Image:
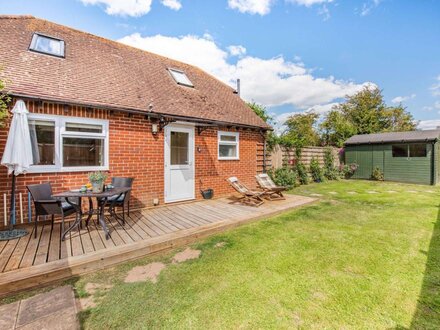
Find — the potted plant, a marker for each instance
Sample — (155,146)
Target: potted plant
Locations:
(97,180)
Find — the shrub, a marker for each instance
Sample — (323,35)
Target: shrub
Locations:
(316,170)
(347,171)
(330,171)
(284,176)
(303,176)
(377,174)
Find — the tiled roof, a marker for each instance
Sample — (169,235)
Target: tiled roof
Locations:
(396,137)
(105,73)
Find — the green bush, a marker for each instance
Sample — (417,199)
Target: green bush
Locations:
(377,174)
(284,176)
(346,171)
(316,171)
(303,176)
(330,171)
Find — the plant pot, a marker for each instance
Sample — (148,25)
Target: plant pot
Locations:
(207,193)
(97,187)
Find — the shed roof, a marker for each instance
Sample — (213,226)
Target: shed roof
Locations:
(98,72)
(394,137)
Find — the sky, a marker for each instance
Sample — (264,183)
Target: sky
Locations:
(290,55)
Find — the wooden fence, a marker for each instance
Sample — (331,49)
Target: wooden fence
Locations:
(281,156)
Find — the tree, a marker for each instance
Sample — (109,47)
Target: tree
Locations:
(261,111)
(301,130)
(5,99)
(335,129)
(364,113)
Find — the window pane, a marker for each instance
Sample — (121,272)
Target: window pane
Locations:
(400,150)
(417,150)
(43,141)
(228,138)
(181,78)
(78,127)
(229,151)
(83,152)
(48,45)
(179,148)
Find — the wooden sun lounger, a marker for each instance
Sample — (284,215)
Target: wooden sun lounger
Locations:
(272,191)
(248,197)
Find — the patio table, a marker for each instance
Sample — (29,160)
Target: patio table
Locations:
(101,199)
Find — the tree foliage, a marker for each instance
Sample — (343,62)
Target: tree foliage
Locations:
(301,130)
(5,99)
(364,113)
(261,111)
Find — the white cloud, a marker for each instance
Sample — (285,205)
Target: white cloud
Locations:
(133,8)
(400,99)
(273,82)
(172,4)
(235,50)
(309,3)
(261,7)
(429,124)
(367,7)
(435,89)
(324,12)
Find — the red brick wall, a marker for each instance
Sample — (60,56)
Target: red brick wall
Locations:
(136,152)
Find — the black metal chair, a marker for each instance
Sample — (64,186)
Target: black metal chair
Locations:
(121,200)
(45,204)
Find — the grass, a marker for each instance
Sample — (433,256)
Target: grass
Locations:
(369,260)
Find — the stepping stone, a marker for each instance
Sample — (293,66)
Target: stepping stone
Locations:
(8,314)
(412,191)
(316,195)
(372,192)
(351,192)
(144,273)
(85,303)
(220,244)
(430,191)
(55,309)
(185,255)
(391,191)
(91,288)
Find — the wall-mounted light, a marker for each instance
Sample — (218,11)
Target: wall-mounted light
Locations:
(154,128)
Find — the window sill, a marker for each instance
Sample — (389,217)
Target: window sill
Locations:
(229,158)
(68,169)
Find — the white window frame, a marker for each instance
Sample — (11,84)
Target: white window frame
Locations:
(175,72)
(230,143)
(33,45)
(60,133)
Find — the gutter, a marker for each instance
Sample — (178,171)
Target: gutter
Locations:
(146,113)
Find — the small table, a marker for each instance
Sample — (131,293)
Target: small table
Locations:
(101,198)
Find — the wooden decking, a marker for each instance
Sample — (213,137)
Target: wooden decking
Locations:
(28,262)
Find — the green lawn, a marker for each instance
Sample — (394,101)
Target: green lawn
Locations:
(352,261)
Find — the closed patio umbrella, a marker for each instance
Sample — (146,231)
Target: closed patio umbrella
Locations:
(17,157)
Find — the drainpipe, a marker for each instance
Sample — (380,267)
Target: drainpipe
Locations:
(264,154)
(433,165)
(238,87)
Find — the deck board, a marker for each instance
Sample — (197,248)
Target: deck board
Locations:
(29,261)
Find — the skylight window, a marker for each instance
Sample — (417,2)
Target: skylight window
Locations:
(181,78)
(47,45)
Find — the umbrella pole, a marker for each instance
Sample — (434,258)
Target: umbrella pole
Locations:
(12,206)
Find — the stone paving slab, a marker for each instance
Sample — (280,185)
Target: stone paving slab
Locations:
(55,309)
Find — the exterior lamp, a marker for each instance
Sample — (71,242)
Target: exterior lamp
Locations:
(154,128)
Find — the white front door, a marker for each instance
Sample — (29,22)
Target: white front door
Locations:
(179,163)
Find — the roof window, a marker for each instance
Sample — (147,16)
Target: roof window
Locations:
(180,77)
(47,45)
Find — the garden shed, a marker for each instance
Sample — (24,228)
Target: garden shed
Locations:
(401,156)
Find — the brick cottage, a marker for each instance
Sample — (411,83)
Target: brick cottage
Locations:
(96,104)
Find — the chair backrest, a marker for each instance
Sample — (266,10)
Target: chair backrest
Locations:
(118,182)
(237,185)
(41,191)
(122,182)
(265,181)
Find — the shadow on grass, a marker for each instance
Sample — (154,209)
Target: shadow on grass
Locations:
(427,315)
